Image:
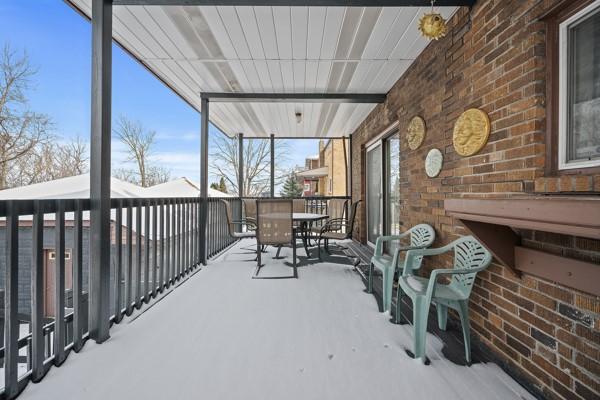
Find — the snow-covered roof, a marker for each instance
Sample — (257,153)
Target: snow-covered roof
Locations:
(78,187)
(73,187)
(314,173)
(181,187)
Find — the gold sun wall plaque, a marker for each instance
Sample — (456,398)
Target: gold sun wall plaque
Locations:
(415,132)
(433,26)
(471,132)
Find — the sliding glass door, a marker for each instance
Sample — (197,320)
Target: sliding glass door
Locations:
(383,189)
(373,195)
(391,176)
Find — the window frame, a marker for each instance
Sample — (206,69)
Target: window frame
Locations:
(556,19)
(563,52)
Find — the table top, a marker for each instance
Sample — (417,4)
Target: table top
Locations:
(308,217)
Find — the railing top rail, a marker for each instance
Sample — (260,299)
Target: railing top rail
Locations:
(30,206)
(46,206)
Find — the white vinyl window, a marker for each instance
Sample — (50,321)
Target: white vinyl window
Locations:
(579,89)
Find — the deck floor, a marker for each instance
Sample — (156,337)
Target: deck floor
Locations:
(223,335)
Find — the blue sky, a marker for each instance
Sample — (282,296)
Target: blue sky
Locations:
(57,41)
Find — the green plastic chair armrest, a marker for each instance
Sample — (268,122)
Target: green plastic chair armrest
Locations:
(381,239)
(451,271)
(414,257)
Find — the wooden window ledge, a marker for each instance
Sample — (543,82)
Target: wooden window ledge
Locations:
(493,222)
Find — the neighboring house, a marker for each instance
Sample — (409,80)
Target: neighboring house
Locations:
(325,174)
(72,188)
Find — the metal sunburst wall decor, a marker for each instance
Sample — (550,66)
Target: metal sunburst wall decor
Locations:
(432,25)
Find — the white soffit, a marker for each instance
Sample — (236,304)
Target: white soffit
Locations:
(198,49)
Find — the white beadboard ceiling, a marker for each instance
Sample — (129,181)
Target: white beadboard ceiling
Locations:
(198,49)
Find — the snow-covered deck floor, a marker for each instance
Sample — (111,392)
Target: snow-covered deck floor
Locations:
(223,335)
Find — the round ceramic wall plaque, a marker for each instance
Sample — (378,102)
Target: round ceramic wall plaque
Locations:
(433,163)
(415,132)
(471,132)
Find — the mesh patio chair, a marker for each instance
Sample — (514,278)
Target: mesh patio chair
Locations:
(250,209)
(231,224)
(338,229)
(470,257)
(336,209)
(421,236)
(275,227)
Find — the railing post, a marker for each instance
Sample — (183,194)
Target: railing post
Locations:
(163,238)
(146,251)
(203,176)
(128,275)
(37,294)
(59,284)
(77,273)
(173,270)
(168,243)
(11,302)
(138,256)
(154,246)
(119,262)
(100,170)
(272,165)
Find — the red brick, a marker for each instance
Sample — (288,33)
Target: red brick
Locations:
(494,58)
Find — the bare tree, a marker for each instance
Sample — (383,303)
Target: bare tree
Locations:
(21,130)
(31,168)
(156,175)
(125,174)
(72,158)
(256,167)
(139,143)
(49,161)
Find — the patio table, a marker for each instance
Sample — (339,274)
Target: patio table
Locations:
(304,221)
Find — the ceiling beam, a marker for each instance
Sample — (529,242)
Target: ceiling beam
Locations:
(229,97)
(303,3)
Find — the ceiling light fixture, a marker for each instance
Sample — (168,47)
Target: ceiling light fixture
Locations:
(432,25)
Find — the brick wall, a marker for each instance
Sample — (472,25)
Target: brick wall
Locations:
(494,58)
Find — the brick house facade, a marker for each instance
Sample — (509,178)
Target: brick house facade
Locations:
(494,57)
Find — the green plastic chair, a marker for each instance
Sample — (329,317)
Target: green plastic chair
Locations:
(470,257)
(421,236)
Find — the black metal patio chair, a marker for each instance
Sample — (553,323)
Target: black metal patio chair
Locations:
(337,229)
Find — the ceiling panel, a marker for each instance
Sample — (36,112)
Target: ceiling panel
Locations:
(266,27)
(299,17)
(196,49)
(316,25)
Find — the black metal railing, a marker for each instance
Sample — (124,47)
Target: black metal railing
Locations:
(155,242)
(218,238)
(312,204)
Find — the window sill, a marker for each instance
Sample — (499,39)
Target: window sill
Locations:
(493,222)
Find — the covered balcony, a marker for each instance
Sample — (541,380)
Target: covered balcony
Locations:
(221,334)
(164,305)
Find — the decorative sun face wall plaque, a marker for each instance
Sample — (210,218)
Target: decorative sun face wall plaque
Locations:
(471,132)
(415,132)
(433,163)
